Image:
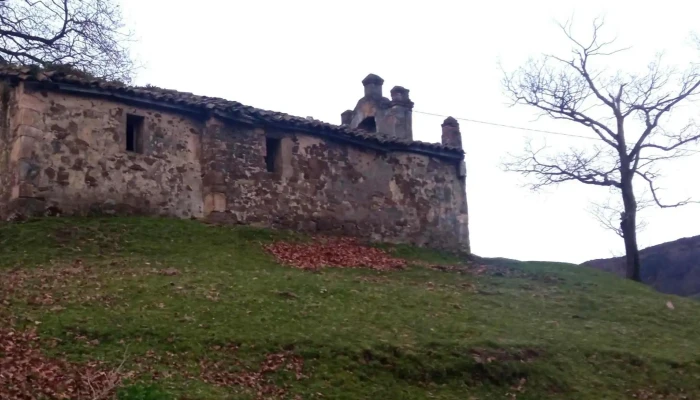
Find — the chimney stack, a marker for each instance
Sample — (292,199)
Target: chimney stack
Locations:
(400,115)
(399,95)
(451,136)
(346,117)
(373,86)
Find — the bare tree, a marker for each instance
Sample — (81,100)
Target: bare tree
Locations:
(85,34)
(626,111)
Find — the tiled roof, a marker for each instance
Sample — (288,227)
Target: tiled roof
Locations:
(232,109)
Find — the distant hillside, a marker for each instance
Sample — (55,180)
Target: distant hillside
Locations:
(672,267)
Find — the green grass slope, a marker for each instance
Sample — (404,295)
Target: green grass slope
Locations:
(193,311)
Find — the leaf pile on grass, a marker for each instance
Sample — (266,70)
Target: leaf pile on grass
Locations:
(40,281)
(333,252)
(217,374)
(226,371)
(489,355)
(651,394)
(26,374)
(52,286)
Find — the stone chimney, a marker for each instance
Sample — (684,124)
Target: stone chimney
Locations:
(400,115)
(373,86)
(451,136)
(399,95)
(346,117)
(376,114)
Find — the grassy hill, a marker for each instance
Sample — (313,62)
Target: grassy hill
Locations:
(146,308)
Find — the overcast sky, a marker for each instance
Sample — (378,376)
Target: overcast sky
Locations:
(308,58)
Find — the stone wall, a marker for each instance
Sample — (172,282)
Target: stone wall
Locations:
(7,104)
(324,186)
(69,155)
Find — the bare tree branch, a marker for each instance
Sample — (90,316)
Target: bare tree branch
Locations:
(86,34)
(574,166)
(688,134)
(558,95)
(649,178)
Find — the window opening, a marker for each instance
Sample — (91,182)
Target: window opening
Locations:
(134,133)
(272,146)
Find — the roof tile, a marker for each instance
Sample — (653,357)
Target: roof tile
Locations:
(211,103)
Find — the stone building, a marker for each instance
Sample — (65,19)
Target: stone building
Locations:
(73,145)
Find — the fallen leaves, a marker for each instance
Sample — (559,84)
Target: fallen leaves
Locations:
(287,294)
(51,286)
(60,284)
(519,387)
(227,371)
(653,394)
(489,355)
(217,373)
(169,272)
(26,374)
(333,252)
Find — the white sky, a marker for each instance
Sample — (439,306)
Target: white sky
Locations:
(307,58)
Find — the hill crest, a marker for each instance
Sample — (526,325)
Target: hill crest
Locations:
(671,267)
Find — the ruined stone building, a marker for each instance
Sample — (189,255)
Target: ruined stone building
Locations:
(78,146)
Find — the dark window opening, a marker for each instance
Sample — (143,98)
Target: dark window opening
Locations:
(134,133)
(368,124)
(272,146)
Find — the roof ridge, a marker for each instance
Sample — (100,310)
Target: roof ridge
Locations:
(72,76)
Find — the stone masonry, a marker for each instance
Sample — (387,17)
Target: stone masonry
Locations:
(73,145)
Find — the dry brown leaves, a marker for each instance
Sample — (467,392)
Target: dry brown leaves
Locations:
(489,355)
(73,283)
(42,285)
(24,281)
(333,252)
(226,372)
(652,394)
(26,374)
(217,373)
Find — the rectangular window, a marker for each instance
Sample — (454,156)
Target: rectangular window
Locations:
(272,146)
(134,133)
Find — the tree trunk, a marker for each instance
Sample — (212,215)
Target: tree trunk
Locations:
(629,230)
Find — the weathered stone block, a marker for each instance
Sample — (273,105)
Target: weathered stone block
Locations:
(27,170)
(25,189)
(31,131)
(26,206)
(213,178)
(36,102)
(214,202)
(22,147)
(63,177)
(29,117)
